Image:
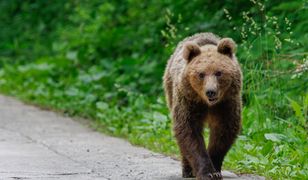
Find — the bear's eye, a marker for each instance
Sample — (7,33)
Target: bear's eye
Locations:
(218,73)
(201,75)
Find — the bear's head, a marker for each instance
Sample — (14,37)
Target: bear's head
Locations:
(212,70)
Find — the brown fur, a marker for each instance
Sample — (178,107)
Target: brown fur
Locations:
(203,63)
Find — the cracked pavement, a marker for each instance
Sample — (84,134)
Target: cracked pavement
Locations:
(38,144)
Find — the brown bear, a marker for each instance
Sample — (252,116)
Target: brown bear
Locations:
(203,83)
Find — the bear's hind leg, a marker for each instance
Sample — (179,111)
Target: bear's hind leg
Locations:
(221,140)
(187,171)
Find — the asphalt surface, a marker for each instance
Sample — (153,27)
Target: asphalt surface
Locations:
(38,144)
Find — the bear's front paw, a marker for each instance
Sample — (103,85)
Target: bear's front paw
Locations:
(217,175)
(211,176)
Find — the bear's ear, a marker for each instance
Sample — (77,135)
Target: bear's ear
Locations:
(190,50)
(226,46)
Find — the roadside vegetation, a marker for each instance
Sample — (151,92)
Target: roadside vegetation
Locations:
(104,60)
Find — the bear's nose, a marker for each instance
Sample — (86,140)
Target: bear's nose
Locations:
(210,93)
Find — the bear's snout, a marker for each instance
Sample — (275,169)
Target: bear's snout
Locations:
(211,89)
(211,93)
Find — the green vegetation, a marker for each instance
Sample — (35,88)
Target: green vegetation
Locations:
(104,60)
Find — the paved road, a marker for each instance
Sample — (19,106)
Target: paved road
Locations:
(38,144)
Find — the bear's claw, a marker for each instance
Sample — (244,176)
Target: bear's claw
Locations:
(215,176)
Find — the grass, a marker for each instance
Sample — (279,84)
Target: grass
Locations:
(269,145)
